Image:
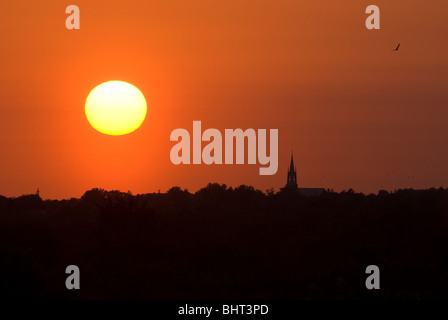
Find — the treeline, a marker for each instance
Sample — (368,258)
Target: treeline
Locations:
(226,243)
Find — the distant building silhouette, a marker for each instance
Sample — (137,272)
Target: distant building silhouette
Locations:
(291,181)
(292,186)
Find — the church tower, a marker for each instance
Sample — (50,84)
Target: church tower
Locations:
(291,182)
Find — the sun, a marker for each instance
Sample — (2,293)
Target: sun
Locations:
(115,108)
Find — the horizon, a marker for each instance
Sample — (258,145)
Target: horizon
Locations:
(264,192)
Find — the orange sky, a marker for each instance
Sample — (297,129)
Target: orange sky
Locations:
(356,114)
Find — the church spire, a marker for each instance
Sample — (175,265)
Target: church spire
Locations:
(291,182)
(291,167)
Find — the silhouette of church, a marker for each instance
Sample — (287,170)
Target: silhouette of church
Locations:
(292,186)
(291,180)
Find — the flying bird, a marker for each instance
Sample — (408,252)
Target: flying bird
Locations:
(396,49)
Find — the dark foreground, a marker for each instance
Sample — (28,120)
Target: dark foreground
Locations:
(226,244)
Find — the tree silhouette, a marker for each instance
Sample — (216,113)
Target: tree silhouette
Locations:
(222,243)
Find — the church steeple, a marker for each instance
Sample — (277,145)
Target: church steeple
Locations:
(291,167)
(291,182)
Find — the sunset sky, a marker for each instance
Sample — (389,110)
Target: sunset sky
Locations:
(356,114)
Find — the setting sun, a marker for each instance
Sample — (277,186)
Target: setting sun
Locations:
(115,108)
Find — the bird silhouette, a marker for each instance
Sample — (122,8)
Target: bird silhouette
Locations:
(396,49)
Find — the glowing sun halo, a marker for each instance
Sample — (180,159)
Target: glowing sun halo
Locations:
(115,108)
